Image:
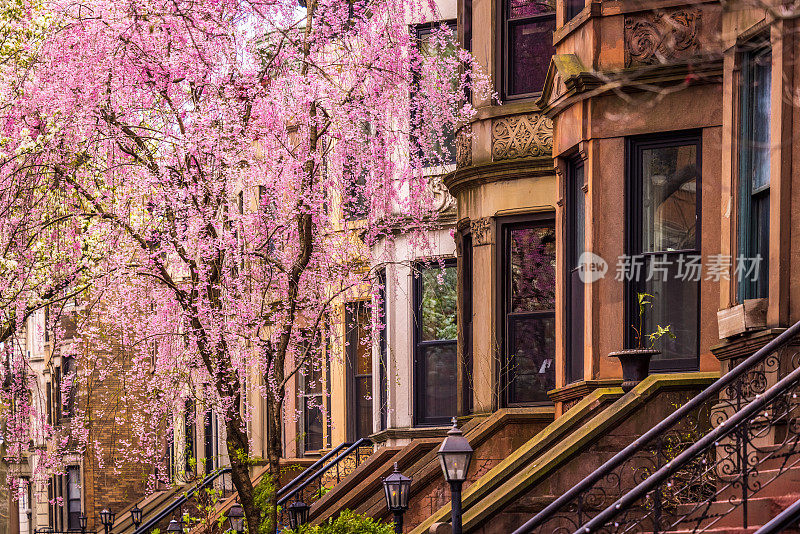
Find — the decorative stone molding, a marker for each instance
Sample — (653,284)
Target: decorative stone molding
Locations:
(442,200)
(464,147)
(481,231)
(656,38)
(520,136)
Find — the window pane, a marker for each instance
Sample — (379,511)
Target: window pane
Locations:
(578,211)
(533,275)
(760,139)
(531,357)
(669,199)
(438,303)
(437,382)
(674,304)
(530,48)
(312,417)
(363,407)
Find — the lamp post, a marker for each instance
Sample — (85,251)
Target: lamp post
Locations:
(136,517)
(107,519)
(236,518)
(397,489)
(82,519)
(455,454)
(298,514)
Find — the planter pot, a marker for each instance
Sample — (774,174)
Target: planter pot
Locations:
(635,365)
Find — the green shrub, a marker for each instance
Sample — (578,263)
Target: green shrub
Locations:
(347,523)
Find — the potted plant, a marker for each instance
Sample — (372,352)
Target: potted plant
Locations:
(636,362)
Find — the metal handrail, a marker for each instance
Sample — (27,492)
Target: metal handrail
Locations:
(789,518)
(683,458)
(363,442)
(310,468)
(651,435)
(179,502)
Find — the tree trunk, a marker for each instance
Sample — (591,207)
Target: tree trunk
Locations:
(239,455)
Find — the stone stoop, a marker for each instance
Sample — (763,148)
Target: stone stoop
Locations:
(150,505)
(493,438)
(566,451)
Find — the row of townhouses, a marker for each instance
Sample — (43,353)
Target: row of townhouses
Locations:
(632,150)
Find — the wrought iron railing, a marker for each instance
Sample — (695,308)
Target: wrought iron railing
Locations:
(169,511)
(315,483)
(701,463)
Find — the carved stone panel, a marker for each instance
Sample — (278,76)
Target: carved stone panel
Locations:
(464,147)
(522,136)
(658,37)
(441,198)
(481,231)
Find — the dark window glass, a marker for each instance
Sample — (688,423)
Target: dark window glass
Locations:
(188,428)
(359,360)
(435,333)
(663,226)
(310,379)
(73,497)
(356,201)
(527,46)
(466,321)
(440,137)
(754,179)
(572,8)
(68,385)
(210,433)
(57,394)
(576,227)
(529,307)
(383,372)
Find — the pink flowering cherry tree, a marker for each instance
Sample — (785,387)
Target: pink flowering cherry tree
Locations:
(225,165)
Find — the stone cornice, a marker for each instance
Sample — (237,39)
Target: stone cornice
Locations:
(484,173)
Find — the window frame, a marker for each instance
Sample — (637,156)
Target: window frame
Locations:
(383,350)
(352,339)
(503,53)
(73,522)
(504,227)
(747,225)
(417,368)
(418,32)
(574,329)
(465,273)
(634,233)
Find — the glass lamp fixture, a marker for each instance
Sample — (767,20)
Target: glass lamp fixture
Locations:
(397,489)
(455,455)
(236,518)
(136,515)
(298,514)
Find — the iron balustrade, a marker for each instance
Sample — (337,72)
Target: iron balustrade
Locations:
(324,477)
(724,444)
(789,518)
(311,469)
(169,510)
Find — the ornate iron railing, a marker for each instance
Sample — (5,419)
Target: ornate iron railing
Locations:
(701,463)
(169,511)
(315,483)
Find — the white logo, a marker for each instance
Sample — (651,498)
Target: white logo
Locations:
(591,267)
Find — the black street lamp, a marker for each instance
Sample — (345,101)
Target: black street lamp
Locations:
(298,514)
(107,519)
(174,526)
(82,519)
(455,454)
(236,518)
(136,516)
(397,490)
